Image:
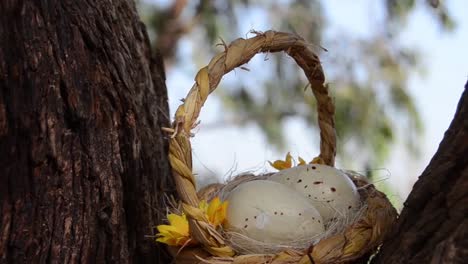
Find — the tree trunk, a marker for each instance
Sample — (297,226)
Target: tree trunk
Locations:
(433,226)
(83,165)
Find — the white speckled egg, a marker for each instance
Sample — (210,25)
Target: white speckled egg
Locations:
(271,212)
(328,189)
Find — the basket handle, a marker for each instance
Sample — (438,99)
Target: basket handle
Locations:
(207,79)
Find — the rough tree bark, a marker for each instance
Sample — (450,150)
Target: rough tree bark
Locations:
(83,163)
(433,226)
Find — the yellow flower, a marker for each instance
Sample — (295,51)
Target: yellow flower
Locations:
(215,211)
(176,233)
(287,162)
(282,164)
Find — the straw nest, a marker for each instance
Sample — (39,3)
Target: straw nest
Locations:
(358,238)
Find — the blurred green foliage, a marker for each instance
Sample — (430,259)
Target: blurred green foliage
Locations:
(367,75)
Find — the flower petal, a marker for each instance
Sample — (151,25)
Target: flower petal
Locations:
(167,240)
(212,208)
(317,160)
(179,222)
(176,233)
(215,211)
(301,161)
(282,164)
(222,212)
(165,229)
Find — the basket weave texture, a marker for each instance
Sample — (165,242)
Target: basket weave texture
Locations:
(360,238)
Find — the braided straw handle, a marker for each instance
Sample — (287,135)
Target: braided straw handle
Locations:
(236,54)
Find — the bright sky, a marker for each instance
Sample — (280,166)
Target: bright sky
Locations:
(231,150)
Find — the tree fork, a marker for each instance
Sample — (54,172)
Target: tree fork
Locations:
(83,165)
(433,226)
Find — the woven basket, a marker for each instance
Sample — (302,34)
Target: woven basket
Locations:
(359,239)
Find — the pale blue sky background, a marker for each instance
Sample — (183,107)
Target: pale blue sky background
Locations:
(232,150)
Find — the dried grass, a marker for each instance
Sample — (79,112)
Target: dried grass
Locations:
(246,245)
